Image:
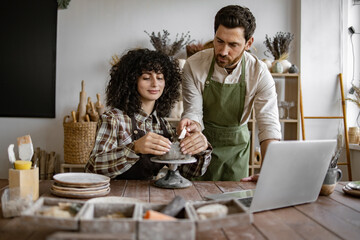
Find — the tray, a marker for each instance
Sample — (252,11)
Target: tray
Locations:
(91,221)
(238,215)
(182,229)
(32,218)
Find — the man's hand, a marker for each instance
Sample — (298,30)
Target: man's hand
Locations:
(252,178)
(152,143)
(190,125)
(194,143)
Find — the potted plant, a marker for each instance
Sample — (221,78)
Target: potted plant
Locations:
(162,43)
(279,48)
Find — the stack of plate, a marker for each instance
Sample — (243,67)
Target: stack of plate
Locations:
(80,185)
(352,188)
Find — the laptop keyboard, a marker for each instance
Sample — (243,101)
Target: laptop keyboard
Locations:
(246,201)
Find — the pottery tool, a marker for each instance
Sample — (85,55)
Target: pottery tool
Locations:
(99,106)
(11,154)
(94,116)
(82,102)
(155,215)
(26,149)
(182,134)
(174,207)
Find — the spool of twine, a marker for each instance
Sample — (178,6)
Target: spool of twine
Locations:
(354,135)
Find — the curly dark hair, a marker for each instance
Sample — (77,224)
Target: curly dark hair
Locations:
(233,16)
(121,91)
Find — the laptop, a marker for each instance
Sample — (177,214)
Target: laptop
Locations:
(292,173)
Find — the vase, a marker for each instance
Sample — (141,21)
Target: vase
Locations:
(277,67)
(268,63)
(286,65)
(293,69)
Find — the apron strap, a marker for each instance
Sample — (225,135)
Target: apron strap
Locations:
(242,85)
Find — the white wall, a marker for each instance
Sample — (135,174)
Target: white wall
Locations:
(320,65)
(353,19)
(91,31)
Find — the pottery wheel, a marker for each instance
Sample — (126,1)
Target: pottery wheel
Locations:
(173,179)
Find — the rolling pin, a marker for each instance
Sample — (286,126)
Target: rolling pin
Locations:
(73,114)
(82,102)
(99,106)
(88,105)
(94,116)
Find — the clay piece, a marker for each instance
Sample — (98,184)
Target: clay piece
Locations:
(174,153)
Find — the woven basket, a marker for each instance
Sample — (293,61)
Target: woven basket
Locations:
(79,139)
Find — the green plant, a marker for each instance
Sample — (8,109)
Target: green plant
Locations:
(279,45)
(162,43)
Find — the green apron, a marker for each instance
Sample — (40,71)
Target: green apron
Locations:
(223,106)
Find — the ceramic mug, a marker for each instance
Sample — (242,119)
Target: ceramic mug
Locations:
(333,175)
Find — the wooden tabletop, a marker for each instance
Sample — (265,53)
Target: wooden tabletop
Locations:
(334,217)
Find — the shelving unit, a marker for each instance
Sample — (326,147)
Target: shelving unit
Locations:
(288,89)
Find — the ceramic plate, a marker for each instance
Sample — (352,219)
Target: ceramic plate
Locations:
(81,179)
(80,195)
(55,186)
(354,185)
(350,191)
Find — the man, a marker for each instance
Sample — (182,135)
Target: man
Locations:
(221,86)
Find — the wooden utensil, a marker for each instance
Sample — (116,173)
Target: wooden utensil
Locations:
(73,114)
(88,105)
(99,106)
(82,102)
(94,116)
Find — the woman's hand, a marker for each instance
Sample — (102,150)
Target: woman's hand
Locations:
(152,143)
(194,143)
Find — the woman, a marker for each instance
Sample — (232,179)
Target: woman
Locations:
(144,86)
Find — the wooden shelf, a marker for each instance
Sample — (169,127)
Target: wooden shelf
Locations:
(290,91)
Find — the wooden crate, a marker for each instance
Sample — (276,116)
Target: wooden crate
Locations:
(238,215)
(181,229)
(91,221)
(32,218)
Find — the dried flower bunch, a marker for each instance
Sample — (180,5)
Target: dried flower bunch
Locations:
(193,48)
(161,42)
(279,45)
(357,96)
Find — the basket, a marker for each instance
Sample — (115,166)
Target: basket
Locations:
(79,139)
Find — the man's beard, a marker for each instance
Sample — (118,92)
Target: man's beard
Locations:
(228,64)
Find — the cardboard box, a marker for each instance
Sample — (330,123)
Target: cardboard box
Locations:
(26,180)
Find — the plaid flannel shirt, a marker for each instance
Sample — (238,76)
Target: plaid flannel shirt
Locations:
(113,152)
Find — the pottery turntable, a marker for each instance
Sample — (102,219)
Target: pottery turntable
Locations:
(173,178)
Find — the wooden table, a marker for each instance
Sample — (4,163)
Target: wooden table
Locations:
(334,217)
